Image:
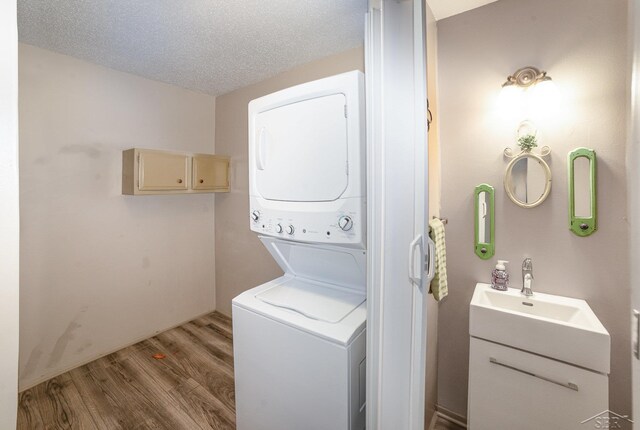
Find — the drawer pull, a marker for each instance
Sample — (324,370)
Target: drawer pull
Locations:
(568,385)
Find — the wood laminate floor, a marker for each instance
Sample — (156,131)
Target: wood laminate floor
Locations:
(192,388)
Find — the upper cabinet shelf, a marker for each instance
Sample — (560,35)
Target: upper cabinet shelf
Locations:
(149,171)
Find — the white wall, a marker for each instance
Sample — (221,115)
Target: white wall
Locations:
(9,215)
(101,270)
(582,44)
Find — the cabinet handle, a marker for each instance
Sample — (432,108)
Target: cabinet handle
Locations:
(179,181)
(569,385)
(202,181)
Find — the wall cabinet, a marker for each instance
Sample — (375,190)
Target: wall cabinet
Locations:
(210,172)
(149,171)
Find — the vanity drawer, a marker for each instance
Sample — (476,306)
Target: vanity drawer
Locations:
(510,388)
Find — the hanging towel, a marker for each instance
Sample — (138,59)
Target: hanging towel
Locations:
(439,287)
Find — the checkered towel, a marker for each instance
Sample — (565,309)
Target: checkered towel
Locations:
(439,287)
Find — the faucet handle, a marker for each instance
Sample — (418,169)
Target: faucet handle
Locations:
(527,266)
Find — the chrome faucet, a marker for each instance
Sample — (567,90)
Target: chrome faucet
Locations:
(527,277)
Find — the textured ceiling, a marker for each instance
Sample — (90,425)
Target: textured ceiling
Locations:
(213,46)
(446,8)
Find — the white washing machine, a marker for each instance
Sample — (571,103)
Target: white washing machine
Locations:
(299,340)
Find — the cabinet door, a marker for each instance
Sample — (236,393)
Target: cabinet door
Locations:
(513,389)
(210,172)
(162,171)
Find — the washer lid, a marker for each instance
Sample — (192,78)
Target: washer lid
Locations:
(314,300)
(342,267)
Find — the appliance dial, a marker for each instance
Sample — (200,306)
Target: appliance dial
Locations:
(278,228)
(255,216)
(345,223)
(290,229)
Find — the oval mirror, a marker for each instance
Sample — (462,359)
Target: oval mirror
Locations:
(527,180)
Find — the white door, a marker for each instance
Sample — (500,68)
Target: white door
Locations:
(397,213)
(633,189)
(9,217)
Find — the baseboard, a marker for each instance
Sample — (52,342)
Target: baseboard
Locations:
(452,417)
(434,421)
(30,384)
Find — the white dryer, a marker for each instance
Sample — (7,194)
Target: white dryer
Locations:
(299,340)
(307,162)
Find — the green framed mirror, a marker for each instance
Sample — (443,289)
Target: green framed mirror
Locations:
(583,208)
(484,210)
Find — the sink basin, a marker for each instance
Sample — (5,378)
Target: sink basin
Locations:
(558,327)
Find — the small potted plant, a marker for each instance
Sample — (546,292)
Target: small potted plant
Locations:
(528,142)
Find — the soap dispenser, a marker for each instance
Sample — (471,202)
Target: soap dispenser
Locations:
(500,277)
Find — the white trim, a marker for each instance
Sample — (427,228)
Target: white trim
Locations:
(633,190)
(421,219)
(375,209)
(9,215)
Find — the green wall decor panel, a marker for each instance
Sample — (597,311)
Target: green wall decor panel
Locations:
(484,221)
(583,214)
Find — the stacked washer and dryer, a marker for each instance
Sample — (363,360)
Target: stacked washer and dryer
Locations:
(299,340)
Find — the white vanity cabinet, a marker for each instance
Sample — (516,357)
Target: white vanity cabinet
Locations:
(536,362)
(150,171)
(513,389)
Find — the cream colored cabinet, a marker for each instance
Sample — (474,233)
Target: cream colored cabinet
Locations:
(160,171)
(210,172)
(148,171)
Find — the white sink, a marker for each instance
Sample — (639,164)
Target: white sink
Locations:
(558,327)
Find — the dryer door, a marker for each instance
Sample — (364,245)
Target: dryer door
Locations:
(301,150)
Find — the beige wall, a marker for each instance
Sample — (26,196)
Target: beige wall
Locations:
(100,270)
(9,215)
(582,44)
(241,259)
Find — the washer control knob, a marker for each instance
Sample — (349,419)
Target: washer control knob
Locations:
(279,228)
(290,229)
(345,223)
(255,216)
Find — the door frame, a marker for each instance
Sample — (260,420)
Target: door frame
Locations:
(9,215)
(633,196)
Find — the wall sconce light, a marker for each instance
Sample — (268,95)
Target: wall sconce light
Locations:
(526,77)
(529,93)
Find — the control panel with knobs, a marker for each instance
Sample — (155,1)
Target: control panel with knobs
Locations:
(345,223)
(341,227)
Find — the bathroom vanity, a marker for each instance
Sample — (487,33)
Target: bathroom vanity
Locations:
(538,362)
